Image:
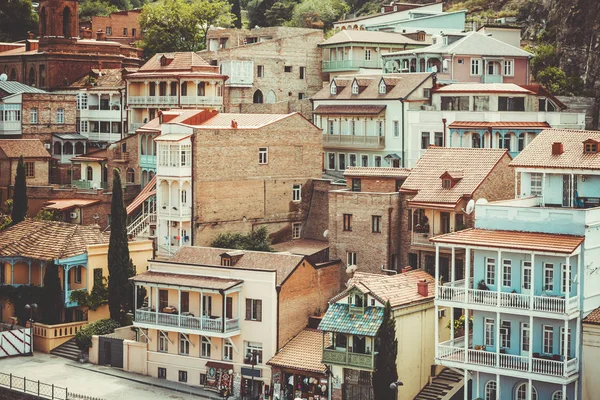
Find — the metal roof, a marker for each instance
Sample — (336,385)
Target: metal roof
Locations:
(14,87)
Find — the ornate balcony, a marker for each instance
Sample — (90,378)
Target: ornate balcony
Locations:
(188,322)
(354,141)
(331,356)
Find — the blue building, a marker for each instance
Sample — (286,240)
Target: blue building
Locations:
(530,276)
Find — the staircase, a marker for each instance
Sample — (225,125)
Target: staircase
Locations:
(67,350)
(141,225)
(442,386)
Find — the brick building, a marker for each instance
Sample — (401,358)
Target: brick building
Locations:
(364,219)
(270,70)
(60,57)
(120,26)
(37,163)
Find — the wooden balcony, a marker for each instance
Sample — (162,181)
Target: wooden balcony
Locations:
(354,141)
(332,356)
(203,324)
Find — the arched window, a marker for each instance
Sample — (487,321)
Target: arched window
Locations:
(144,177)
(57,148)
(90,173)
(130,175)
(521,141)
(67,22)
(476,140)
(31,80)
(271,97)
(13,75)
(490,390)
(521,392)
(558,395)
(43,22)
(68,148)
(79,148)
(258,97)
(150,175)
(162,89)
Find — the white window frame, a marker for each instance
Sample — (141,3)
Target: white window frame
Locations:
(163,342)
(355,87)
(33,115)
(254,346)
(506,273)
(377,160)
(508,68)
(333,88)
(60,115)
(505,337)
(547,339)
(334,161)
(352,156)
(490,271)
(350,258)
(490,332)
(564,280)
(475,67)
(376,223)
(558,395)
(562,341)
(396,125)
(535,183)
(184,345)
(205,349)
(364,157)
(297,193)
(548,277)
(263,155)
(82,101)
(227,350)
(380,128)
(296,230)
(490,390)
(382,87)
(367,54)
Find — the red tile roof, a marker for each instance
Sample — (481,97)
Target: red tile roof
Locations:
(28,148)
(224,120)
(196,281)
(180,61)
(303,353)
(67,204)
(532,241)
(497,125)
(593,317)
(357,109)
(383,172)
(399,86)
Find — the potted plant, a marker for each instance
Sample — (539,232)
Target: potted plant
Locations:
(481,285)
(536,355)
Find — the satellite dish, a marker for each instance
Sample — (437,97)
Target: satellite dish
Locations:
(481,201)
(351,269)
(470,206)
(326,233)
(3,77)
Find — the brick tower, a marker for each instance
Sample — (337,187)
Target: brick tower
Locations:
(58,19)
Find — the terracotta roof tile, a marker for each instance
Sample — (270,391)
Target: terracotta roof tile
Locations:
(28,148)
(400,290)
(196,281)
(180,61)
(497,125)
(49,240)
(223,120)
(534,241)
(475,164)
(539,152)
(102,79)
(284,264)
(357,109)
(304,247)
(593,317)
(304,353)
(67,204)
(383,172)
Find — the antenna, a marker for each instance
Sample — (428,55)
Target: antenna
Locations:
(351,269)
(3,77)
(326,233)
(481,201)
(470,207)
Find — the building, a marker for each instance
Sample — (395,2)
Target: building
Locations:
(408,17)
(491,115)
(208,308)
(350,328)
(589,354)
(363,120)
(464,57)
(269,158)
(172,81)
(365,219)
(532,279)
(510,34)
(120,26)
(35,157)
(438,191)
(60,56)
(359,52)
(270,70)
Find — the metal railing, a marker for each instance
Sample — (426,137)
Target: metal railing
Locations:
(371,142)
(36,388)
(184,321)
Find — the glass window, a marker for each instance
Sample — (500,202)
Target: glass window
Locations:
(351,258)
(558,395)
(184,345)
(475,66)
(227,350)
(163,342)
(367,55)
(566,280)
(548,277)
(332,88)
(506,273)
(296,193)
(263,155)
(455,103)
(535,183)
(396,129)
(355,88)
(331,161)
(260,71)
(253,310)
(475,140)
(377,161)
(490,390)
(296,230)
(254,348)
(185,302)
(382,87)
(364,161)
(380,128)
(352,160)
(82,101)
(481,103)
(376,223)
(562,342)
(29,169)
(60,116)
(356,184)
(509,68)
(425,138)
(331,126)
(511,103)
(505,334)
(522,392)
(162,373)
(490,271)
(348,222)
(341,161)
(205,347)
(548,347)
(490,333)
(33,115)
(182,376)
(302,73)
(438,139)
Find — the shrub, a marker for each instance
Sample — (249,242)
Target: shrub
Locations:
(83,338)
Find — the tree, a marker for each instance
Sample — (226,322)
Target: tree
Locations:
(53,298)
(118,254)
(91,8)
(385,371)
(318,13)
(280,13)
(19,210)
(177,25)
(17,17)
(236,10)
(257,10)
(47,215)
(257,240)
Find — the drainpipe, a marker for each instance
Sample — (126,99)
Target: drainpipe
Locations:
(192,219)
(444,137)
(389,252)
(403,152)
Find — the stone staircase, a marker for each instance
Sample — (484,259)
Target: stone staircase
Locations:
(67,350)
(442,386)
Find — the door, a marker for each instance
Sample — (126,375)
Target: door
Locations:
(569,188)
(526,278)
(229,307)
(107,352)
(445,222)
(525,333)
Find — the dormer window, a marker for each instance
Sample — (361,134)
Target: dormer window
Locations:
(382,87)
(333,88)
(445,40)
(355,87)
(590,146)
(226,261)
(450,179)
(447,183)
(231,257)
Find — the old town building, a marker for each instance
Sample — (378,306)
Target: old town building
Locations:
(119,26)
(35,157)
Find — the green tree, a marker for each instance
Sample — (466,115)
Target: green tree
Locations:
(17,17)
(91,8)
(53,298)
(554,79)
(280,13)
(47,215)
(257,240)
(177,25)
(118,254)
(236,10)
(318,13)
(257,10)
(19,210)
(385,371)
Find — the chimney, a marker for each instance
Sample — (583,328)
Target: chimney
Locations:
(30,35)
(557,148)
(160,117)
(423,287)
(100,35)
(234,124)
(406,269)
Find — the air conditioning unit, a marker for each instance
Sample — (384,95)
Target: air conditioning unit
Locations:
(73,215)
(47,146)
(441,313)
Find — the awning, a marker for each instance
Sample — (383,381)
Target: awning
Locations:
(392,156)
(194,281)
(349,109)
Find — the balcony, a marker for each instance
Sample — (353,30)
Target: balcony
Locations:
(354,142)
(492,79)
(543,304)
(148,161)
(92,185)
(104,115)
(343,357)
(421,239)
(453,353)
(201,101)
(174,211)
(201,325)
(348,65)
(152,100)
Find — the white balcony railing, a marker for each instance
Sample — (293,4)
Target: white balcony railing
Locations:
(152,100)
(201,100)
(204,323)
(354,141)
(166,211)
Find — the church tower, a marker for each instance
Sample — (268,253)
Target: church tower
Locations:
(58,19)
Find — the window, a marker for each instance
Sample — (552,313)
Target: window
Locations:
(296,230)
(438,139)
(182,376)
(351,258)
(301,96)
(562,342)
(377,161)
(382,87)
(523,390)
(509,69)
(447,183)
(367,55)
(506,273)
(566,280)
(60,116)
(475,66)
(525,338)
(254,348)
(558,395)
(548,347)
(287,68)
(184,345)
(83,126)
(97,276)
(475,140)
(348,222)
(108,31)
(133,32)
(549,277)
(364,161)
(511,103)
(425,139)
(185,302)
(206,305)
(490,271)
(124,31)
(341,161)
(227,350)
(331,126)
(535,180)
(504,141)
(355,87)
(380,128)
(505,334)
(331,160)
(78,274)
(205,347)
(33,115)
(130,175)
(455,103)
(263,155)
(356,184)
(481,103)
(203,379)
(333,88)
(376,223)
(353,127)
(296,193)
(396,129)
(253,310)
(490,390)
(302,73)
(226,261)
(521,141)
(260,71)
(489,332)
(29,169)
(590,147)
(163,342)
(162,373)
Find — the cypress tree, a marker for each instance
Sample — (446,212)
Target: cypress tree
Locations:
(19,210)
(236,10)
(385,371)
(119,264)
(51,307)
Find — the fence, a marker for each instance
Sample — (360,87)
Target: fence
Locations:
(39,389)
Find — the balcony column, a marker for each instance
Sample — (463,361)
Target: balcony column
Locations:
(201,309)
(497,339)
(565,349)
(498,277)
(567,282)
(467,272)
(437,293)
(156,301)
(134,299)
(452,272)
(543,189)
(575,390)
(223,307)
(498,386)
(178,306)
(579,279)
(66,277)
(12,271)
(465,391)
(532,285)
(530,356)
(564,392)
(529,390)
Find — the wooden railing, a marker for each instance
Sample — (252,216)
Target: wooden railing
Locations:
(348,358)
(185,321)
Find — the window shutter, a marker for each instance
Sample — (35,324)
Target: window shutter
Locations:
(248,309)
(258,310)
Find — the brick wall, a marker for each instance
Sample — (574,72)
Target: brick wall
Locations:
(117,21)
(317,221)
(125,160)
(47,106)
(500,183)
(374,184)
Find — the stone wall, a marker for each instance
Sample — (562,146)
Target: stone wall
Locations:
(47,105)
(587,105)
